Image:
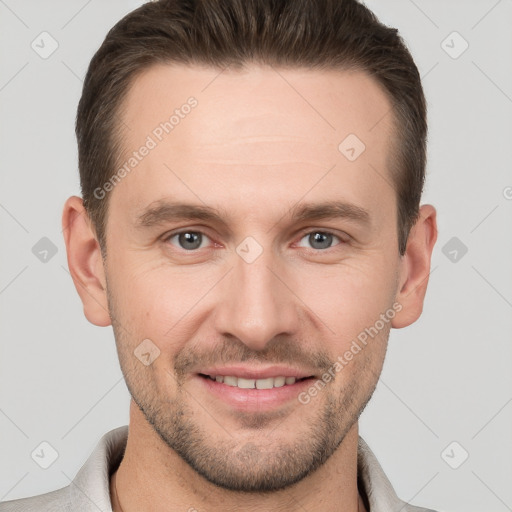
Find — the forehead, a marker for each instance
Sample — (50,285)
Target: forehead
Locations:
(253,127)
(328,101)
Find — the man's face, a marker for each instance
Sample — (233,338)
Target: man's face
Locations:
(259,292)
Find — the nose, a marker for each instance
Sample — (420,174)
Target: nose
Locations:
(255,304)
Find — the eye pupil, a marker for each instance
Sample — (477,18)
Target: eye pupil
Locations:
(319,240)
(190,240)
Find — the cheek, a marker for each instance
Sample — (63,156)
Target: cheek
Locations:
(160,304)
(358,357)
(349,298)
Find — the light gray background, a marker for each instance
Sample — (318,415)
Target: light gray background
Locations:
(447,378)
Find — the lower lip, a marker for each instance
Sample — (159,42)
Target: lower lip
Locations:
(255,399)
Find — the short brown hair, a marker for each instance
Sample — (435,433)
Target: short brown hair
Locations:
(317,34)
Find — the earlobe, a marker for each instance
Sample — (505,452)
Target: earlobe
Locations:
(85,262)
(415,268)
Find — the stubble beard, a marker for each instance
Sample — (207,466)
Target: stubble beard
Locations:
(261,462)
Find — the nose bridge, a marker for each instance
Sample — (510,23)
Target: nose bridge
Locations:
(255,305)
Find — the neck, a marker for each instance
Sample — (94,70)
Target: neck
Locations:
(152,477)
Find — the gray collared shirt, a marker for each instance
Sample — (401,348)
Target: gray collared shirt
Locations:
(89,491)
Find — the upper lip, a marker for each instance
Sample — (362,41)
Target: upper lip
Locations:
(246,372)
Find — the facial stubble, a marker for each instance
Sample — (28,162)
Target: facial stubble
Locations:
(265,453)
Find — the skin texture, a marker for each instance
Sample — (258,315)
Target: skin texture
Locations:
(260,143)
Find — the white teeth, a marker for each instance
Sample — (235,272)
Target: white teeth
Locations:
(246,383)
(265,383)
(268,383)
(279,382)
(231,381)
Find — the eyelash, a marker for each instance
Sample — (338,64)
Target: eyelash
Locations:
(342,241)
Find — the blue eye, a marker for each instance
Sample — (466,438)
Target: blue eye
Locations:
(320,240)
(194,240)
(189,240)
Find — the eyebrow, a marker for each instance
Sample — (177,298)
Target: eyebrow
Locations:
(164,211)
(330,210)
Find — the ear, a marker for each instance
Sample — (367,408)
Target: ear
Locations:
(415,267)
(85,262)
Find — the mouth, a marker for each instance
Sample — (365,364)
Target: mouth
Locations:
(253,390)
(248,383)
